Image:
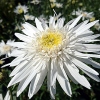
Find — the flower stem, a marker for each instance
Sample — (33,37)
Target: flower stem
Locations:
(51,12)
(11,96)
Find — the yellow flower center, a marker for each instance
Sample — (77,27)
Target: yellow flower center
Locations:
(84,14)
(6,48)
(50,40)
(20,10)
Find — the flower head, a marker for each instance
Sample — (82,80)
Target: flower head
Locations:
(5,48)
(21,9)
(57,51)
(86,15)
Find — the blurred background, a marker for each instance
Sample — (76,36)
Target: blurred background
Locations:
(15,12)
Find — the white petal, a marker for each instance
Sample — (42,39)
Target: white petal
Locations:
(83,55)
(63,80)
(17,52)
(53,71)
(17,60)
(24,37)
(80,64)
(44,25)
(88,41)
(70,22)
(78,54)
(85,27)
(52,91)
(5,65)
(18,44)
(51,87)
(60,22)
(89,50)
(75,22)
(82,36)
(79,78)
(94,77)
(19,86)
(21,75)
(19,67)
(91,46)
(91,62)
(38,24)
(28,32)
(37,82)
(92,36)
(80,26)
(23,84)
(28,29)
(48,78)
(1,98)
(31,28)
(52,22)
(7,97)
(61,72)
(29,67)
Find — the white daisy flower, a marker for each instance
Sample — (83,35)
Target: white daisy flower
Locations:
(29,17)
(35,1)
(21,9)
(7,97)
(57,51)
(5,48)
(86,15)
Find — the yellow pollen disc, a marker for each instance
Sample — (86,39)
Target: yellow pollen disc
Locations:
(6,48)
(84,14)
(20,10)
(50,40)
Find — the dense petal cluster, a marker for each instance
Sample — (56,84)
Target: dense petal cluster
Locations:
(57,51)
